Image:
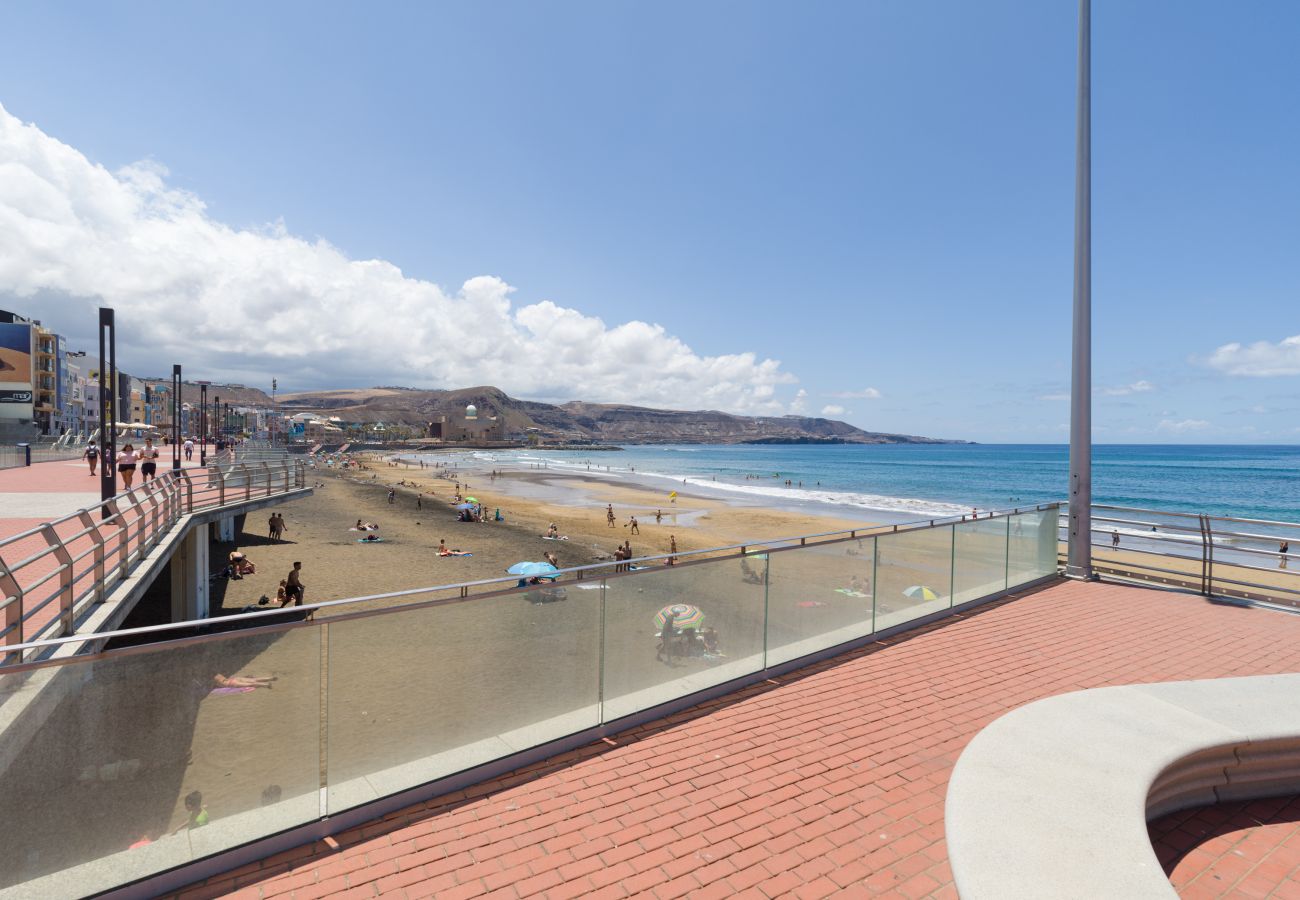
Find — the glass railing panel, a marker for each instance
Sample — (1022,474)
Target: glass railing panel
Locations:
(818,597)
(131,764)
(642,669)
(913,575)
(1032,546)
(420,694)
(979,559)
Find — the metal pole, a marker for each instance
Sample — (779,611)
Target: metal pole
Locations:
(203,424)
(107,406)
(176,417)
(1079,558)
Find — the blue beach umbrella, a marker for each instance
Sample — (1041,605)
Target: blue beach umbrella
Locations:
(466,506)
(533,569)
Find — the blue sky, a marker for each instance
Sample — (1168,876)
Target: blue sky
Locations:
(878,195)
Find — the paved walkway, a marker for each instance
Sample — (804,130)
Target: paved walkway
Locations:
(830,782)
(1237,850)
(40,493)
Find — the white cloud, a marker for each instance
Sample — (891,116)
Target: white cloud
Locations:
(1055,397)
(833,409)
(798,404)
(1260,359)
(242,303)
(864,394)
(1180,426)
(1137,387)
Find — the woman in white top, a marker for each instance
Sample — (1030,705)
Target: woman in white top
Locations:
(126,461)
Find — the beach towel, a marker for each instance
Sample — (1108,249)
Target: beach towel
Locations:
(231,690)
(563,538)
(848,593)
(454,555)
(364,541)
(808,603)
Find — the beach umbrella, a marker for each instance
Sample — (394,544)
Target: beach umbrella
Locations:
(921,592)
(471,499)
(533,569)
(465,506)
(683,615)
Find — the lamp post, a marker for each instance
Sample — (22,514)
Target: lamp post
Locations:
(107,406)
(216,421)
(176,417)
(203,423)
(1079,555)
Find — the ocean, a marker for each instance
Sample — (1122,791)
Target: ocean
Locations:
(912,481)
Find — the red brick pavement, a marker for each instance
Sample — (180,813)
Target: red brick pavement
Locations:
(830,782)
(71,478)
(1232,850)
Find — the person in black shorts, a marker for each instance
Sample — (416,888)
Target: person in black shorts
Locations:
(148,460)
(293,586)
(92,456)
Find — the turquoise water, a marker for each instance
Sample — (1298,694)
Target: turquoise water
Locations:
(914,481)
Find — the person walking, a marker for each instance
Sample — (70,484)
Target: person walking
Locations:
(1114,540)
(392,496)
(293,587)
(148,460)
(1283,549)
(279,527)
(188,447)
(672,549)
(92,456)
(126,461)
(636,529)
(609,515)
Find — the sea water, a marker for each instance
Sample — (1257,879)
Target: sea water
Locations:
(913,481)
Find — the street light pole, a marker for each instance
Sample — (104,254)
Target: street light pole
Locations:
(176,417)
(203,423)
(107,406)
(1079,557)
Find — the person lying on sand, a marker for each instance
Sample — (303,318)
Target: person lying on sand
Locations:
(444,550)
(253,681)
(370,539)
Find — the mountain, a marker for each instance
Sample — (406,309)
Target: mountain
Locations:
(581,422)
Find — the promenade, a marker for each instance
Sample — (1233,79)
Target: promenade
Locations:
(827,781)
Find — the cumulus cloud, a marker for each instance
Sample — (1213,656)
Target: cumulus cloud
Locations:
(864,394)
(833,409)
(1180,426)
(252,303)
(799,403)
(1137,387)
(1260,359)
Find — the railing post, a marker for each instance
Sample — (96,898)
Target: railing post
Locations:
(155,520)
(1209,557)
(123,535)
(266,470)
(189,491)
(12,595)
(248,482)
(65,575)
(88,521)
(221,484)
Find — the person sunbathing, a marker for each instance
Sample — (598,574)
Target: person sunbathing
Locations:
(253,681)
(240,565)
(444,550)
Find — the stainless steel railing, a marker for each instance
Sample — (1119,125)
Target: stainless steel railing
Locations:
(1220,556)
(50,574)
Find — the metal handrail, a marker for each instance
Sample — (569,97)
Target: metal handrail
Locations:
(120,532)
(494,587)
(1217,550)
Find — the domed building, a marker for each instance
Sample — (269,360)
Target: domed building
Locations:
(468,426)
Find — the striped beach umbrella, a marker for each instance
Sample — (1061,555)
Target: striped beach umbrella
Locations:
(683,615)
(921,592)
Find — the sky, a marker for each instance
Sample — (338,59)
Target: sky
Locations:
(859,210)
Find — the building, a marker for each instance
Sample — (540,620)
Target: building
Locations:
(467,426)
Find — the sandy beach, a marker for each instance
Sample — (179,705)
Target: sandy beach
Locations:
(336,566)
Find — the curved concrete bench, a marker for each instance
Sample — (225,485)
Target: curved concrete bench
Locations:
(1053,799)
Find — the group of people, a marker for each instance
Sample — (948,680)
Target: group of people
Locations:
(275,527)
(127,460)
(675,642)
